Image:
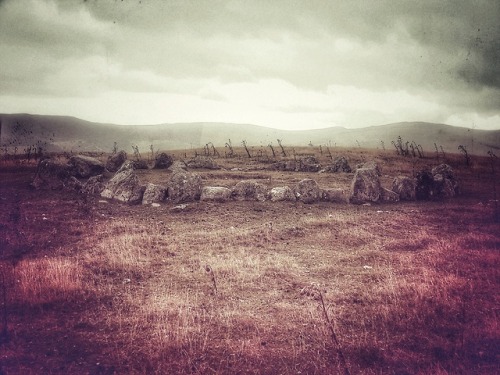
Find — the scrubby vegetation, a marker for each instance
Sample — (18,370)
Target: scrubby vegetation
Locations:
(252,287)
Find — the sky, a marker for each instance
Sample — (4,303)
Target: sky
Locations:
(283,64)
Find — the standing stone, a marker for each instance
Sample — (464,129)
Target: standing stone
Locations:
(340,164)
(282,193)
(115,161)
(85,166)
(372,165)
(154,194)
(51,175)
(178,166)
(249,191)
(202,162)
(445,184)
(124,187)
(163,161)
(425,185)
(94,185)
(333,195)
(437,184)
(309,164)
(215,193)
(184,187)
(308,191)
(405,187)
(365,186)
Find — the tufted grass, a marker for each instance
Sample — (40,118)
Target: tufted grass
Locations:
(410,288)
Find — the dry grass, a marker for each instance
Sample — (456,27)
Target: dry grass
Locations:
(410,288)
(39,281)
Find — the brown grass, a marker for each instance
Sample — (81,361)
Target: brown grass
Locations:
(410,288)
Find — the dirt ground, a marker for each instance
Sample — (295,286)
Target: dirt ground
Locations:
(236,287)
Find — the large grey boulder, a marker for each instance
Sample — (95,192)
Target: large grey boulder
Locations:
(178,166)
(94,185)
(308,191)
(282,193)
(124,187)
(424,188)
(444,170)
(85,166)
(128,165)
(250,191)
(51,174)
(405,187)
(215,193)
(340,164)
(371,165)
(308,164)
(163,161)
(184,187)
(438,184)
(365,186)
(202,162)
(445,184)
(334,195)
(115,161)
(154,194)
(132,165)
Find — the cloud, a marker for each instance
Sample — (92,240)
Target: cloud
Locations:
(314,63)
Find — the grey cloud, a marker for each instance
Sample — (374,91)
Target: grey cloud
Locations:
(447,50)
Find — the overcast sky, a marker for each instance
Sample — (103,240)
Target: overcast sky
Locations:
(285,64)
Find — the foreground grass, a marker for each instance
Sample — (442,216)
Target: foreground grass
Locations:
(224,289)
(95,288)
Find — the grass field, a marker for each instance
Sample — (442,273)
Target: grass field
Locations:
(93,287)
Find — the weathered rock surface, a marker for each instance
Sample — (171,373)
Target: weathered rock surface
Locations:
(124,187)
(340,164)
(333,195)
(133,165)
(371,165)
(184,187)
(438,184)
(282,193)
(128,165)
(178,166)
(85,166)
(365,186)
(424,185)
(444,170)
(163,161)
(215,193)
(51,175)
(94,185)
(140,164)
(405,187)
(308,191)
(115,161)
(249,190)
(202,162)
(308,164)
(389,195)
(445,184)
(154,194)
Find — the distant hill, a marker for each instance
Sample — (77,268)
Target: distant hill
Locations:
(60,133)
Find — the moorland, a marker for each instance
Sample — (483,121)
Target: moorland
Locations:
(93,286)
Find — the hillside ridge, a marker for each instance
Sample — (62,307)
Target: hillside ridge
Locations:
(67,133)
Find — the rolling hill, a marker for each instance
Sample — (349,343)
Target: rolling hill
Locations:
(60,133)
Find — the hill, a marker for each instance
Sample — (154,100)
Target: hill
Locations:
(61,133)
